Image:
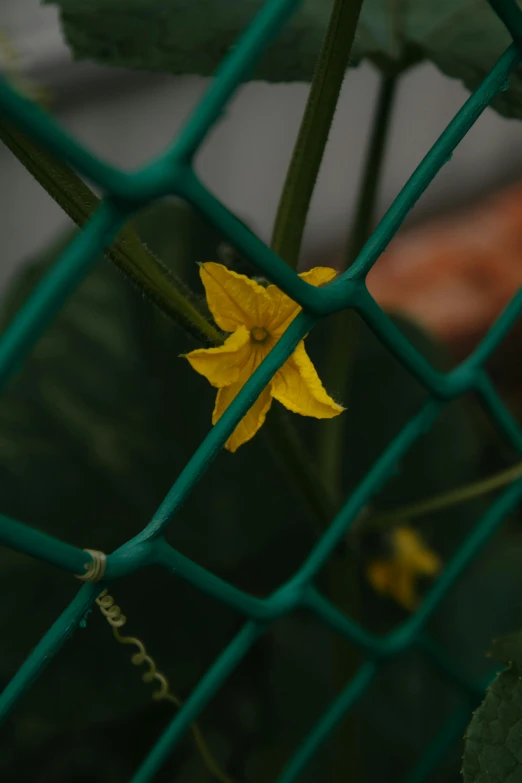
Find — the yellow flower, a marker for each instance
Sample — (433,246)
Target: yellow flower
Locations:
(257,317)
(397,576)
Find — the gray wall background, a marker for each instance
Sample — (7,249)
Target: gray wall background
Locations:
(128,117)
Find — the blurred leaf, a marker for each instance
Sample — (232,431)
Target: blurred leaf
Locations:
(94,430)
(493,746)
(85,453)
(159,37)
(462,37)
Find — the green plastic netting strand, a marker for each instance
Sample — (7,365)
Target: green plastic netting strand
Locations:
(172,174)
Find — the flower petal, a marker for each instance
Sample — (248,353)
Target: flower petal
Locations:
(413,552)
(235,300)
(391,579)
(319,275)
(298,387)
(398,574)
(285,309)
(250,423)
(223,365)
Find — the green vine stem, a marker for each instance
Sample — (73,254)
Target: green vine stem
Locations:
(128,253)
(344,326)
(372,173)
(175,300)
(344,576)
(445,500)
(313,134)
(286,242)
(167,292)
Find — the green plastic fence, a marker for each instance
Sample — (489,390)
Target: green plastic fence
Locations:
(173,173)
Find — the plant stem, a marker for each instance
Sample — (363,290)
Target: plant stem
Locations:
(128,253)
(445,500)
(176,300)
(344,330)
(344,327)
(367,201)
(286,242)
(168,292)
(313,134)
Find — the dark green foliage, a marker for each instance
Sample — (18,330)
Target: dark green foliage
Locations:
(462,37)
(93,431)
(493,751)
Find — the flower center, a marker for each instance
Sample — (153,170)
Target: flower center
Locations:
(258,334)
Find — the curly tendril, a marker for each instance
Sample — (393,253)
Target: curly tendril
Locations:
(116,619)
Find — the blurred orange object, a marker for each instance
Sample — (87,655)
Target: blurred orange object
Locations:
(454,276)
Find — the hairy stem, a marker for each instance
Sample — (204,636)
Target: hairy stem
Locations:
(128,253)
(166,291)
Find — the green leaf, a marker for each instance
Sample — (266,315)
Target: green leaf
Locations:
(94,430)
(170,37)
(463,38)
(493,742)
